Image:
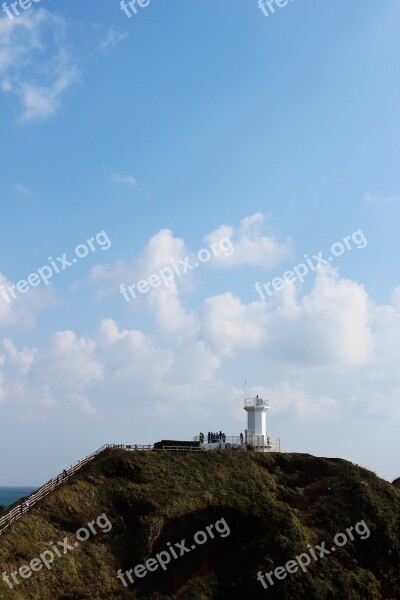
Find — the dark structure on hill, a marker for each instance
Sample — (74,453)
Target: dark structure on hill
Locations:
(175,444)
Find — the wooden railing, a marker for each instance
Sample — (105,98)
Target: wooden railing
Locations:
(180,449)
(17,512)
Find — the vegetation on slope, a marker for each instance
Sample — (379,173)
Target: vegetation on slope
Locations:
(274,504)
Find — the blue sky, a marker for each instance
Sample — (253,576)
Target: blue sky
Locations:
(186,124)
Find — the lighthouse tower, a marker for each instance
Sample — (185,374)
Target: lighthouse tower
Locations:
(256,433)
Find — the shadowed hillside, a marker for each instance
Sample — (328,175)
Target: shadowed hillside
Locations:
(396,482)
(274,506)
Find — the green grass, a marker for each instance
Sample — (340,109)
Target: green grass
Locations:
(274,504)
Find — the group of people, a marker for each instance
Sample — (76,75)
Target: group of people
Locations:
(214,437)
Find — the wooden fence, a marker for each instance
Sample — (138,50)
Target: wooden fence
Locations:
(17,512)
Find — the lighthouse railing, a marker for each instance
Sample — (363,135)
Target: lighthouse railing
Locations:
(229,439)
(265,442)
(256,402)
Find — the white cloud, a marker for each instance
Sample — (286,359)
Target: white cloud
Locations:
(22,310)
(387,330)
(330,327)
(35,68)
(113,39)
(233,327)
(6,86)
(374,199)
(168,383)
(331,331)
(20,37)
(23,359)
(378,390)
(23,190)
(83,404)
(164,301)
(123,180)
(123,365)
(3,394)
(378,400)
(73,361)
(42,102)
(288,397)
(133,356)
(163,249)
(37,379)
(252,246)
(182,376)
(333,324)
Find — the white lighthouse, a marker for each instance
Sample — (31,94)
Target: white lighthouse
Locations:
(256,438)
(256,433)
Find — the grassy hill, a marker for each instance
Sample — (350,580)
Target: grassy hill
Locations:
(276,506)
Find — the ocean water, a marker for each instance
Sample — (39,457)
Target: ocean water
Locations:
(9,495)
